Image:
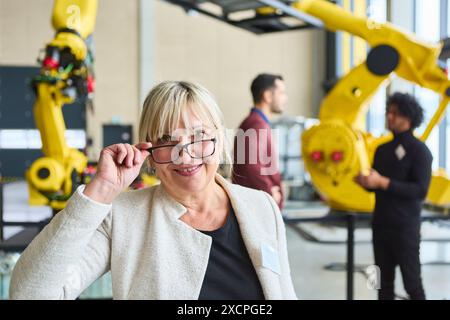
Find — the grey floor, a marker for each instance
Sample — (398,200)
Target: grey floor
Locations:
(312,281)
(307,258)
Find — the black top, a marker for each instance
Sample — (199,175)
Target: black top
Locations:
(230,273)
(407,162)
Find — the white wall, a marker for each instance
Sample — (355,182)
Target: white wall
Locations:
(226,59)
(25,28)
(173,46)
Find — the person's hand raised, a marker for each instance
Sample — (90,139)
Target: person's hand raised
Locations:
(118,166)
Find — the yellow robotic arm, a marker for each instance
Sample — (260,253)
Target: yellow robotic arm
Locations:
(66,74)
(339,147)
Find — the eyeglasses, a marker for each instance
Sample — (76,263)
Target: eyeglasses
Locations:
(171,153)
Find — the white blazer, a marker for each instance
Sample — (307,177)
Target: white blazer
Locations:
(150,252)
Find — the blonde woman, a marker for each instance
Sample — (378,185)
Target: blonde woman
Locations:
(194,236)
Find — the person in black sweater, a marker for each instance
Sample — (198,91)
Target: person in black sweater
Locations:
(400,179)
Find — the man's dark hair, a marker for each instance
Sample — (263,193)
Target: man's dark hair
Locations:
(408,107)
(262,83)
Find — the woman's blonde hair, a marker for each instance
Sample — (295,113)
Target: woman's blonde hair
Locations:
(170,102)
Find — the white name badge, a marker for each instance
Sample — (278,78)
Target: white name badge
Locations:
(269,258)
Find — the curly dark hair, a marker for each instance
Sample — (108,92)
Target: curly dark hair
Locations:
(408,107)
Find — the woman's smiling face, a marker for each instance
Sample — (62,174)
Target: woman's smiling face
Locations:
(193,167)
(175,114)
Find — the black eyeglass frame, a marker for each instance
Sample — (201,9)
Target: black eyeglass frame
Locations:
(183,147)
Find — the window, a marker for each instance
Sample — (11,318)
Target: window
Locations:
(427,28)
(31,139)
(377,11)
(429,101)
(446,129)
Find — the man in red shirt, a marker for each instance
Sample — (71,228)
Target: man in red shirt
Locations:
(255,155)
